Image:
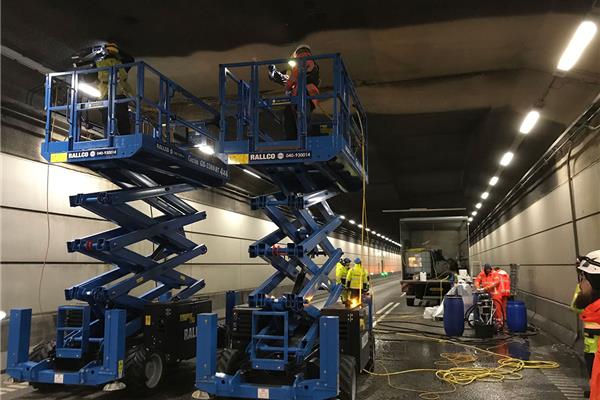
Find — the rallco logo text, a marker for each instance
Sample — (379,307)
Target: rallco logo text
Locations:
(189,333)
(262,156)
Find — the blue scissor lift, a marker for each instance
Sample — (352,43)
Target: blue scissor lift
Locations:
(125,322)
(287,346)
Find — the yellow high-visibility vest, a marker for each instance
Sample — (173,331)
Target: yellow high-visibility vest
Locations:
(341,271)
(357,276)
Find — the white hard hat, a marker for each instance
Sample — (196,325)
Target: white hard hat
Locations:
(302,46)
(590,263)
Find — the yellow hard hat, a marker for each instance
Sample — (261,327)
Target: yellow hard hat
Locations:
(111,47)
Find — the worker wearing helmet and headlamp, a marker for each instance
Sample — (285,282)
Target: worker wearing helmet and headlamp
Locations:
(290,81)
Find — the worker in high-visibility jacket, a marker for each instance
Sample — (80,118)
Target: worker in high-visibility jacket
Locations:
(110,57)
(589,300)
(489,281)
(357,280)
(289,80)
(503,289)
(104,56)
(341,271)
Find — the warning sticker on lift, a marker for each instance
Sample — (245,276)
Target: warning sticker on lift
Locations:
(282,155)
(263,393)
(85,154)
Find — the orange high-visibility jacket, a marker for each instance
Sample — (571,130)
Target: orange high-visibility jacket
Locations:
(489,283)
(292,84)
(591,314)
(504,287)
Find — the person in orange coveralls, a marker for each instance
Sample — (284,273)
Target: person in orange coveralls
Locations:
(590,292)
(489,281)
(504,288)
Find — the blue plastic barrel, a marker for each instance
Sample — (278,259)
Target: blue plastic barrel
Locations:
(454,316)
(516,316)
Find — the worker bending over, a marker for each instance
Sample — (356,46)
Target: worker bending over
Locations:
(587,299)
(489,281)
(341,271)
(357,280)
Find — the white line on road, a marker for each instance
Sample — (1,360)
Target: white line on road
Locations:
(386,313)
(385,308)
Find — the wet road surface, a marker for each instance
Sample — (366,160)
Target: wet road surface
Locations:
(402,350)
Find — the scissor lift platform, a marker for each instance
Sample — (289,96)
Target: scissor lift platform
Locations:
(329,143)
(285,347)
(105,335)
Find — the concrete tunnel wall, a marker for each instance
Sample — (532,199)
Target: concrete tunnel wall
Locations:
(538,234)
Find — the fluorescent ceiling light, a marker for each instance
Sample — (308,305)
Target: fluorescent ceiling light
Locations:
(342,216)
(506,158)
(580,40)
(493,181)
(485,195)
(374,233)
(368,229)
(474,213)
(379,235)
(206,149)
(478,205)
(352,222)
(359,226)
(251,173)
(529,122)
(89,90)
(470,219)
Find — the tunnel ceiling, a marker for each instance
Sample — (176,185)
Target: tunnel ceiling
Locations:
(445,84)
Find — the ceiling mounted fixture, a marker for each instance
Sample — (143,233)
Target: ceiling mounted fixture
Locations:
(493,181)
(352,222)
(478,206)
(529,122)
(506,158)
(485,195)
(580,40)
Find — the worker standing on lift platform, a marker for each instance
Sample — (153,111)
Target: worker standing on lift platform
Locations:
(109,55)
(341,271)
(290,81)
(357,281)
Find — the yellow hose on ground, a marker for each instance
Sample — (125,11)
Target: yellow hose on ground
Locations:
(454,372)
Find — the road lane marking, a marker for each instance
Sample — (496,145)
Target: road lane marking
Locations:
(385,308)
(385,315)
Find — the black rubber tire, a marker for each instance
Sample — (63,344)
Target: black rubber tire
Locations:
(45,387)
(370,366)
(347,375)
(410,302)
(229,361)
(136,361)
